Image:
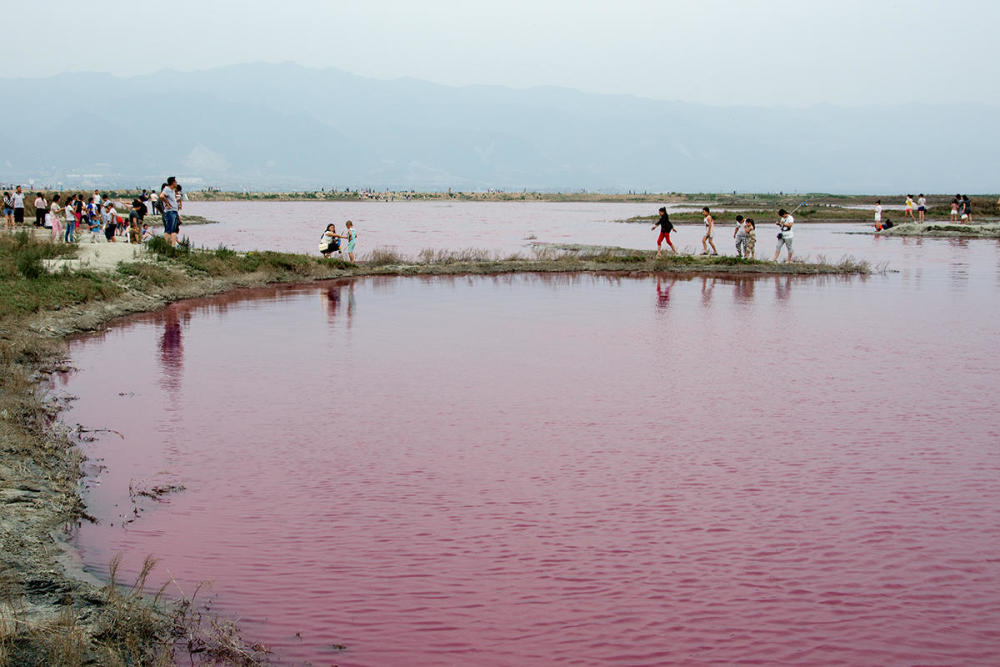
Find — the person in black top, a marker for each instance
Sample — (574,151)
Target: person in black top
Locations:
(135,220)
(665,228)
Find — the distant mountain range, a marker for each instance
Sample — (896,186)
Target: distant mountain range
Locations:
(265,126)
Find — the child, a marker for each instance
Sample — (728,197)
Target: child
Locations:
(954,210)
(146,234)
(352,240)
(709,233)
(740,234)
(665,228)
(751,244)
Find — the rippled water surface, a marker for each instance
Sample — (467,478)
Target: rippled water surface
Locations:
(571,468)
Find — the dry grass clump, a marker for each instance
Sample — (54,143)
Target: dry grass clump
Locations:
(466,255)
(384,257)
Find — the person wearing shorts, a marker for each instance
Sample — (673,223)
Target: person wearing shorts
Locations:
(921,207)
(966,209)
(171,218)
(908,209)
(665,228)
(707,240)
(786,234)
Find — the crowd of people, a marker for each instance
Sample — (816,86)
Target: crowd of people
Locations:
(70,216)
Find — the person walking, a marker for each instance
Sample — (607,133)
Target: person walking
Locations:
(18,201)
(740,234)
(665,228)
(709,233)
(171,217)
(40,207)
(786,222)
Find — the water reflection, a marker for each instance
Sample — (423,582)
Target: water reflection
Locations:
(743,291)
(335,294)
(782,287)
(663,291)
(172,350)
(707,287)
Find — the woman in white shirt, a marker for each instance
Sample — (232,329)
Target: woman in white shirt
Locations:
(70,236)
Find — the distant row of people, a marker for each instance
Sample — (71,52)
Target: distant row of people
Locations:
(961,210)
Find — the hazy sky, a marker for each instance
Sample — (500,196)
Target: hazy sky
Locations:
(760,52)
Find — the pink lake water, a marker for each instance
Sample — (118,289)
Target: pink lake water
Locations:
(408,227)
(587,469)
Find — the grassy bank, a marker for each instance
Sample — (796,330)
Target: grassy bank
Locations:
(52,615)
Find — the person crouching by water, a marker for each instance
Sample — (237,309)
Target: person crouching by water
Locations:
(709,233)
(665,228)
(785,235)
(330,241)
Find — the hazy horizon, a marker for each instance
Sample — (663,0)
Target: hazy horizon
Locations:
(677,95)
(761,53)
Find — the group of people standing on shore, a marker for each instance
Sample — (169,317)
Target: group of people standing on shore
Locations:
(744,233)
(67,217)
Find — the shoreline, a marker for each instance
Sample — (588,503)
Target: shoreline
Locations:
(42,464)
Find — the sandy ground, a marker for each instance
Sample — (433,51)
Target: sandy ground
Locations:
(96,253)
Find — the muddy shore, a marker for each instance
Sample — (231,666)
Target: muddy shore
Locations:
(45,597)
